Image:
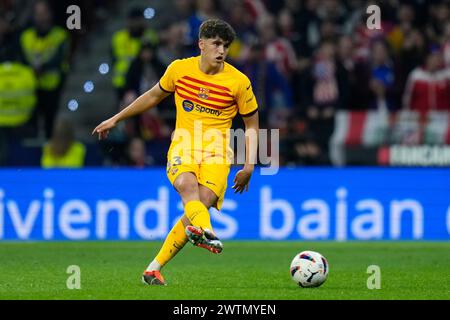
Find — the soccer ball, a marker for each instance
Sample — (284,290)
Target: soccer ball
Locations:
(309,269)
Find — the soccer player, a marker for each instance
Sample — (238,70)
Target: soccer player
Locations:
(208,93)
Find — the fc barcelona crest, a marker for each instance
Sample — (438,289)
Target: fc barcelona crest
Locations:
(203,93)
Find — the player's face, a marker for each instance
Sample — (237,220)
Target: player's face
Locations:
(214,51)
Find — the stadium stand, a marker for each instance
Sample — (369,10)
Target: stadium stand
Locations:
(344,95)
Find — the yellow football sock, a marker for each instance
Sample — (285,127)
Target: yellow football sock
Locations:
(175,241)
(198,214)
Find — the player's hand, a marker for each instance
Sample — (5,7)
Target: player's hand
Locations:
(241,180)
(103,128)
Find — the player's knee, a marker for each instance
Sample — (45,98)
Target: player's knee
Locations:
(186,185)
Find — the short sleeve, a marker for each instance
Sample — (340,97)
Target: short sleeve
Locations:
(167,81)
(246,100)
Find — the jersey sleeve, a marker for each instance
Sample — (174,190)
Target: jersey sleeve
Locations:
(167,81)
(246,100)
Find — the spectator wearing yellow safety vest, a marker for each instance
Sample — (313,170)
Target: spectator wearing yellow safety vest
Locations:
(17,90)
(63,151)
(45,47)
(126,45)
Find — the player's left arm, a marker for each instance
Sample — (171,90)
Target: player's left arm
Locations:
(242,178)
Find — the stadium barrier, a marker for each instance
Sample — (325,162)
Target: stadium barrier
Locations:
(404,138)
(296,204)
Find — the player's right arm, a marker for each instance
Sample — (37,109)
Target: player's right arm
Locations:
(143,103)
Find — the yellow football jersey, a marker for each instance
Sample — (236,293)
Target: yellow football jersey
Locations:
(206,103)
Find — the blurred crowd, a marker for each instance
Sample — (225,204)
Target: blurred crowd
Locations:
(307,60)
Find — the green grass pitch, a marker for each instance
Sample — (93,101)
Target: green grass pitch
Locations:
(245,270)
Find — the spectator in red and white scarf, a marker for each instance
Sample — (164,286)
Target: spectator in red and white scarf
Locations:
(277,49)
(322,84)
(428,86)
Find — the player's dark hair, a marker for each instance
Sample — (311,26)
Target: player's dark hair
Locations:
(212,28)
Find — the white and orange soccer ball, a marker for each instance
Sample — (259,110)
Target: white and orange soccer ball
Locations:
(309,269)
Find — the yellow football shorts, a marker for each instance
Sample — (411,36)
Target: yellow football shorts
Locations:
(211,171)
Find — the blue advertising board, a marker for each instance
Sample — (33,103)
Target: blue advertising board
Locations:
(295,204)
